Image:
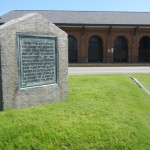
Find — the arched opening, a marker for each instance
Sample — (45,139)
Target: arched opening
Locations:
(72,49)
(95,49)
(144,49)
(121,49)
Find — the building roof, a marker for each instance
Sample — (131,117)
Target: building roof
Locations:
(102,18)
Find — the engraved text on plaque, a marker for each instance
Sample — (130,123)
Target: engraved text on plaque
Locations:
(37,58)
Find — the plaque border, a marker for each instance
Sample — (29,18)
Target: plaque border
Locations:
(21,34)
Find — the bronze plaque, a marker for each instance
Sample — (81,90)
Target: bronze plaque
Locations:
(37,60)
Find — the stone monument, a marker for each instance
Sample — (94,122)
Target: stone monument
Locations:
(33,64)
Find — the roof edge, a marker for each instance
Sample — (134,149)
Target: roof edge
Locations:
(112,25)
(84,11)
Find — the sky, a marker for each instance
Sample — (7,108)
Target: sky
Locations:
(76,5)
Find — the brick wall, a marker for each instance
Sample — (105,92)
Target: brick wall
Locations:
(108,36)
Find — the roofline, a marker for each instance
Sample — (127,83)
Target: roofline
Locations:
(107,25)
(87,11)
(95,25)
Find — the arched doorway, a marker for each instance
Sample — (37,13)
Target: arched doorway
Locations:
(72,49)
(95,49)
(144,49)
(120,49)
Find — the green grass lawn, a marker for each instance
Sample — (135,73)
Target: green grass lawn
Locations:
(102,112)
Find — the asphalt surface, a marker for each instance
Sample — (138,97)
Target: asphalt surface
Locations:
(108,70)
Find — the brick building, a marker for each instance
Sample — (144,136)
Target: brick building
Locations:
(100,37)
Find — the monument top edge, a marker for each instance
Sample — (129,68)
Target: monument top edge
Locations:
(24,17)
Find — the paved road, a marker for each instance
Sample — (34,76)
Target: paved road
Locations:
(107,70)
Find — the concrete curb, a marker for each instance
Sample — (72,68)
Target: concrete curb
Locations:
(140,85)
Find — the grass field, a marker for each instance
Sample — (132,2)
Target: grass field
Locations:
(102,112)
